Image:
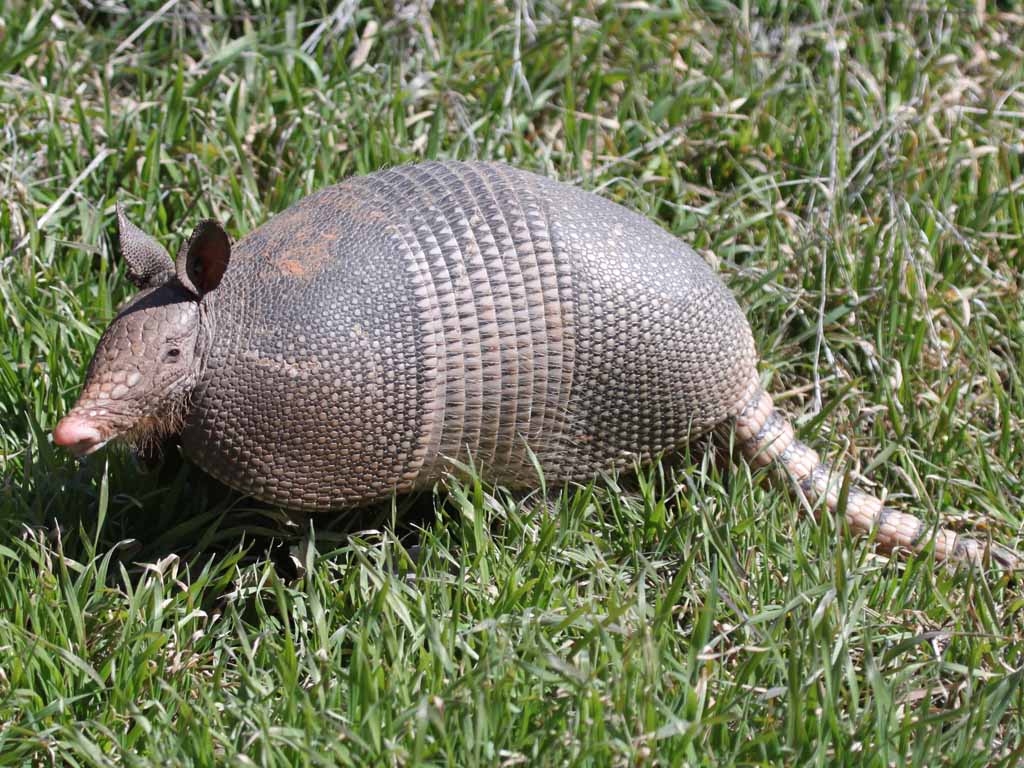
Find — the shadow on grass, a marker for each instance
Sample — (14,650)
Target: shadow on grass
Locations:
(147,511)
(143,512)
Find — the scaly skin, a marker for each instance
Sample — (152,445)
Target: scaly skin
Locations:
(765,437)
(380,328)
(360,342)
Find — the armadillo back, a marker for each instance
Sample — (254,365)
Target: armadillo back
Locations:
(446,310)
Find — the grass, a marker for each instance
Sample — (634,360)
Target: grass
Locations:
(855,169)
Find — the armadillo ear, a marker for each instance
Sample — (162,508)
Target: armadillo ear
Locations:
(149,265)
(204,258)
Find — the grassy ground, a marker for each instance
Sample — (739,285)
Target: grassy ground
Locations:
(857,172)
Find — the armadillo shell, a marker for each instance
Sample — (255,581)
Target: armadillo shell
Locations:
(381,328)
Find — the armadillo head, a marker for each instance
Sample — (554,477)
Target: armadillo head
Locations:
(150,358)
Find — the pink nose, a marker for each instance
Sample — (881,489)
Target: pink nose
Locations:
(77,434)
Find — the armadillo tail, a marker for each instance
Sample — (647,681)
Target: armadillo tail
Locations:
(765,436)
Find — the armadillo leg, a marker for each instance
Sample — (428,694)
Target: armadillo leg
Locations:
(765,436)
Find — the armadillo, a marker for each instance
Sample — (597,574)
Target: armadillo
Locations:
(366,339)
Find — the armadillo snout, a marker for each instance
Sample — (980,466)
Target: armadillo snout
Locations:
(79,435)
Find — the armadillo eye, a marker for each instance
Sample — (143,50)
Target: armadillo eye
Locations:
(171,355)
